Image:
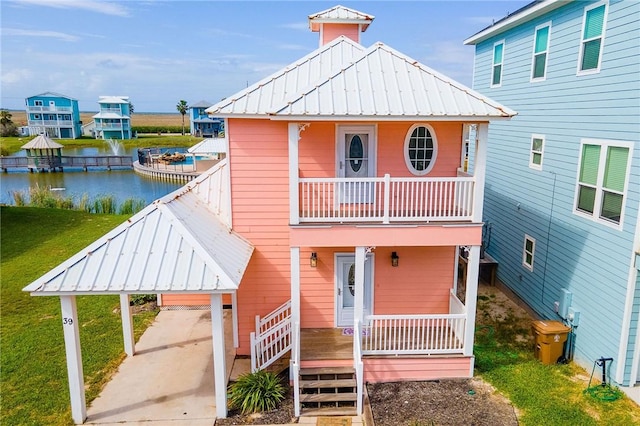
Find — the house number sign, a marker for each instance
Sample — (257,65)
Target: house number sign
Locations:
(67,321)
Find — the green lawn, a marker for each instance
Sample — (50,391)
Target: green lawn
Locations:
(33,372)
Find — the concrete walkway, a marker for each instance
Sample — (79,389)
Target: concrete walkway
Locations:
(169,381)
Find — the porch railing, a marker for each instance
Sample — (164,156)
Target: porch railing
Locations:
(272,337)
(414,334)
(385,199)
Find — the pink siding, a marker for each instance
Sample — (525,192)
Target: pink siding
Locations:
(191,299)
(258,158)
(332,31)
(405,369)
(419,285)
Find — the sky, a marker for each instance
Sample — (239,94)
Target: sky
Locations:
(159,52)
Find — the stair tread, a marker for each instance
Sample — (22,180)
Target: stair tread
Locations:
(335,383)
(332,411)
(326,370)
(328,397)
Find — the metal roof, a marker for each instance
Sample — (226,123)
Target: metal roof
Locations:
(113,100)
(262,97)
(340,14)
(42,142)
(52,94)
(109,115)
(176,244)
(383,82)
(201,104)
(209,146)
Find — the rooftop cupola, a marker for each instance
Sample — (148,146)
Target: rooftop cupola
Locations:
(339,21)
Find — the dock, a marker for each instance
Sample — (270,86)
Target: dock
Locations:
(59,163)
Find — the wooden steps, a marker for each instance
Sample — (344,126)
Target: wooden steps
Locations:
(328,391)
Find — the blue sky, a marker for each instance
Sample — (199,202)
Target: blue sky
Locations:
(158,52)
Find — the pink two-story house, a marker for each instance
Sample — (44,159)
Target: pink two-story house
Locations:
(333,225)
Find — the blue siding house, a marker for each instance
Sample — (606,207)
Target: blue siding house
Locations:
(563,177)
(114,119)
(54,115)
(202,125)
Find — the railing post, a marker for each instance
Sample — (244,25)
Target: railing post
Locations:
(387,194)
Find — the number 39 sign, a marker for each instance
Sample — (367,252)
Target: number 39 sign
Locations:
(67,321)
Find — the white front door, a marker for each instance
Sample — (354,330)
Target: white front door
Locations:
(356,160)
(345,288)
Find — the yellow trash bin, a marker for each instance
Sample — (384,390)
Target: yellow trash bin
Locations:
(549,340)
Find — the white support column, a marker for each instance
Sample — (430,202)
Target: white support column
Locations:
(74,358)
(219,362)
(358,304)
(234,318)
(127,325)
(471,296)
(479,169)
(295,285)
(294,207)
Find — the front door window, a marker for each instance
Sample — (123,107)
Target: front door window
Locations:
(346,277)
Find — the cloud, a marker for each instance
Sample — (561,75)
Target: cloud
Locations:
(16,76)
(292,47)
(38,33)
(299,26)
(103,7)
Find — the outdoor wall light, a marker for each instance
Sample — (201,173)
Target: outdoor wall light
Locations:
(394,259)
(313,260)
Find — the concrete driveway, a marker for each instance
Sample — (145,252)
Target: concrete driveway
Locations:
(169,381)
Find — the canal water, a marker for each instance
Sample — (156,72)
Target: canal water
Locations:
(120,183)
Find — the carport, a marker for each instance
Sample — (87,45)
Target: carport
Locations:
(178,244)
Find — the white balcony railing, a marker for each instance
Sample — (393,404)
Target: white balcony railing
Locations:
(386,199)
(49,109)
(414,334)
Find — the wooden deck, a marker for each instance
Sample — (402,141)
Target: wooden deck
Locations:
(325,343)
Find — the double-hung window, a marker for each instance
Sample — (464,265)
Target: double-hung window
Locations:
(540,52)
(592,38)
(496,70)
(603,174)
(537,148)
(528,252)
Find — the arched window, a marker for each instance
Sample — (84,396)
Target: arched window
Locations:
(420,149)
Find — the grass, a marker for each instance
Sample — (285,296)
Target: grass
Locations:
(542,394)
(32,356)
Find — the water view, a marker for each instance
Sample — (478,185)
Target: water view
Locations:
(121,183)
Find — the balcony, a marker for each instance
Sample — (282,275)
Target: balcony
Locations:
(42,108)
(385,200)
(111,126)
(51,123)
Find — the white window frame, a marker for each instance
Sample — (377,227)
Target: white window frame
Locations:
(604,146)
(405,149)
(501,63)
(38,102)
(525,252)
(583,41)
(545,52)
(532,152)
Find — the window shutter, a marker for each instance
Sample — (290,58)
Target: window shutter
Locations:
(616,168)
(594,22)
(589,165)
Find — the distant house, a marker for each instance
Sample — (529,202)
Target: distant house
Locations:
(54,115)
(334,224)
(113,121)
(202,125)
(563,177)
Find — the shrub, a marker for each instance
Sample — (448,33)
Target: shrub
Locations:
(105,204)
(131,206)
(256,392)
(141,299)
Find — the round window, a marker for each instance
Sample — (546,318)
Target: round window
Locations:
(420,149)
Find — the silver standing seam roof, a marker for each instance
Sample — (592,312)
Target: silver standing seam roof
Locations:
(41,142)
(340,14)
(176,244)
(344,81)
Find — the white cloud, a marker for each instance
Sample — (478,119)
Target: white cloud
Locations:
(16,76)
(38,33)
(106,8)
(292,47)
(299,26)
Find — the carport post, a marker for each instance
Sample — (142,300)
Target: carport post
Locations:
(74,358)
(219,363)
(127,324)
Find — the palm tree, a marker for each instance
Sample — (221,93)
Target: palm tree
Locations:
(5,117)
(182,108)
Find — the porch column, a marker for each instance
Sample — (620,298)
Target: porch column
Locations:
(234,318)
(479,169)
(74,358)
(358,303)
(127,324)
(294,208)
(471,295)
(219,362)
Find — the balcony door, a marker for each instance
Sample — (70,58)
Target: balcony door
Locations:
(345,291)
(356,160)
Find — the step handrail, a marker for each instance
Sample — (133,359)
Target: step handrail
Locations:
(272,338)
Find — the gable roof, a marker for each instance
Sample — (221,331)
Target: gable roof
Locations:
(176,244)
(340,14)
(201,104)
(52,94)
(386,83)
(268,94)
(113,100)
